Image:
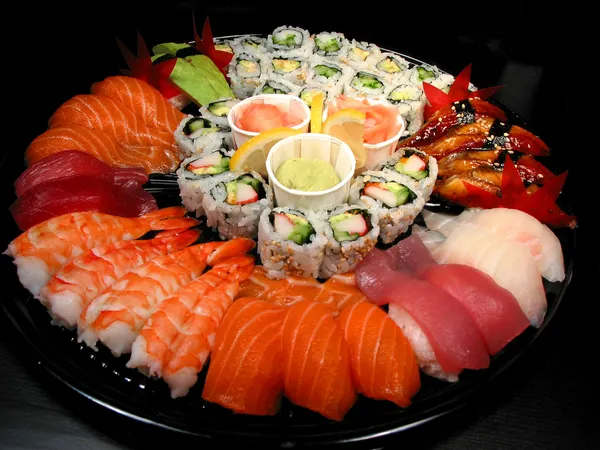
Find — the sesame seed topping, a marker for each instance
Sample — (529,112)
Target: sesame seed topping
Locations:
(506,134)
(502,123)
(511,152)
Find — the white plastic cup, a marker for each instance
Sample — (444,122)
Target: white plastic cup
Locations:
(240,136)
(312,146)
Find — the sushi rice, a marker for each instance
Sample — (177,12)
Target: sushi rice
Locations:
(282,256)
(331,45)
(196,135)
(234,220)
(193,186)
(342,257)
(217,111)
(252,45)
(280,66)
(294,42)
(361,55)
(270,85)
(392,221)
(391,67)
(426,183)
(328,75)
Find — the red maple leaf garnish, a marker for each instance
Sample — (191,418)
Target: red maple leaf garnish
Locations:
(206,46)
(541,204)
(141,67)
(459,90)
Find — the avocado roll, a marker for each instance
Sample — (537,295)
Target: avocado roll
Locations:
(330,45)
(416,164)
(410,100)
(195,174)
(394,199)
(351,233)
(217,111)
(245,71)
(272,86)
(294,42)
(391,67)
(251,45)
(365,84)
(196,135)
(234,202)
(291,242)
(361,55)
(308,92)
(223,45)
(294,69)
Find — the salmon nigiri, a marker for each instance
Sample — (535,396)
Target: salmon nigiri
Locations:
(91,273)
(384,365)
(316,363)
(116,317)
(178,337)
(103,113)
(141,98)
(47,247)
(245,372)
(336,293)
(101,145)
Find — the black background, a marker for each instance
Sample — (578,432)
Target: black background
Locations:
(548,399)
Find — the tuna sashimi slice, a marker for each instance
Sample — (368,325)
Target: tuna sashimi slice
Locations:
(70,163)
(494,309)
(316,365)
(80,193)
(245,372)
(384,366)
(411,255)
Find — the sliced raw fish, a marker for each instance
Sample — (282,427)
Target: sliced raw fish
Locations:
(245,371)
(77,194)
(71,163)
(316,364)
(515,226)
(510,264)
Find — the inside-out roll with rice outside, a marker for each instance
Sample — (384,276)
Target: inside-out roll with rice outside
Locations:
(234,202)
(195,175)
(291,40)
(196,135)
(351,233)
(416,164)
(393,198)
(291,242)
(217,111)
(365,84)
(245,71)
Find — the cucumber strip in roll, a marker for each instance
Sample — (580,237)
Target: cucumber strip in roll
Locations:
(200,135)
(217,111)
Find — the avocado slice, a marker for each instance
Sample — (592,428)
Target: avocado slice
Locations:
(285,65)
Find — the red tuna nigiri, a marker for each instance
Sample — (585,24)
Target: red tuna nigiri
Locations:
(70,163)
(494,309)
(384,366)
(76,194)
(316,365)
(244,374)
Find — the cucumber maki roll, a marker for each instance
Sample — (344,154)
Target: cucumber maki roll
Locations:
(289,68)
(329,75)
(195,175)
(351,233)
(252,45)
(234,202)
(394,198)
(366,84)
(416,164)
(291,242)
(217,111)
(271,86)
(361,55)
(291,41)
(330,45)
(244,73)
(391,67)
(432,75)
(200,135)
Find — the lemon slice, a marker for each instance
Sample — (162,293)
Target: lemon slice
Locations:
(348,125)
(316,113)
(252,155)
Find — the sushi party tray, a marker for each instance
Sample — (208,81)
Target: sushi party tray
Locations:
(285,239)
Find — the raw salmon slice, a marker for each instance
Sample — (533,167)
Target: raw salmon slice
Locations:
(142,99)
(316,364)
(245,372)
(383,364)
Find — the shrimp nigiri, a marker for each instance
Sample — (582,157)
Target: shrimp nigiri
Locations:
(91,273)
(116,317)
(178,337)
(47,247)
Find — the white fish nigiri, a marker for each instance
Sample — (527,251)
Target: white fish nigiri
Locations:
(514,225)
(509,263)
